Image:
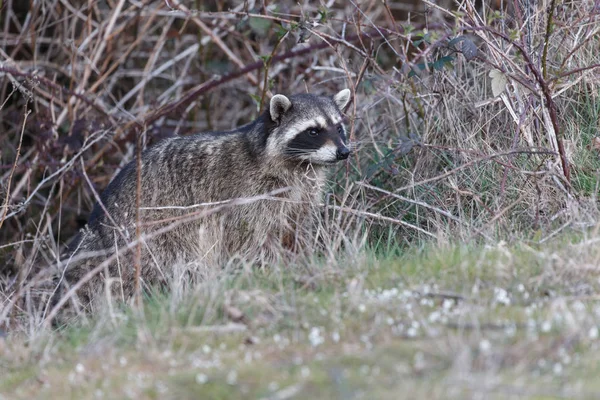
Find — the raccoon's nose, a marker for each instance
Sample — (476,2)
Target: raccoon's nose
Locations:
(342,153)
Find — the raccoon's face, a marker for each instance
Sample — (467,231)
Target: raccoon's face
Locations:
(309,128)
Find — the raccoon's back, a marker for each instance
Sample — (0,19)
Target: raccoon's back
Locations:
(180,172)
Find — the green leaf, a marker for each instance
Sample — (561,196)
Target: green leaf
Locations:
(406,143)
(420,67)
(367,85)
(256,99)
(422,38)
(265,59)
(439,64)
(280,31)
(323,14)
(260,26)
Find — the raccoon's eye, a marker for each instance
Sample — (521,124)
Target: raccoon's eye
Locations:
(340,130)
(312,132)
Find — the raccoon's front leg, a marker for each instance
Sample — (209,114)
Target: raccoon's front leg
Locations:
(270,252)
(278,244)
(288,241)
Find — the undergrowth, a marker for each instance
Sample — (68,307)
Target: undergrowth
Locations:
(442,322)
(460,259)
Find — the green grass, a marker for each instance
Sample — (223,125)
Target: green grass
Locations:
(434,322)
(584,129)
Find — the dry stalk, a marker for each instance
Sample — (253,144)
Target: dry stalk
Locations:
(14,167)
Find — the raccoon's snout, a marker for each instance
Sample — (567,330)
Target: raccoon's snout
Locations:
(342,154)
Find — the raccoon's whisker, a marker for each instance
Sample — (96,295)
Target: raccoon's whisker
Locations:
(292,156)
(296,153)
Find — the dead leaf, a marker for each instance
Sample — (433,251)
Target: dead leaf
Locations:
(596,143)
(234,314)
(250,340)
(498,82)
(465,46)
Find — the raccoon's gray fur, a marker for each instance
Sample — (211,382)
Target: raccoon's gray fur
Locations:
(286,151)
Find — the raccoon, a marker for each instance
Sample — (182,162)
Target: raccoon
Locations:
(275,167)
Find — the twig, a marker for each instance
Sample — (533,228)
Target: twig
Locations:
(131,245)
(212,84)
(14,167)
(138,232)
(472,162)
(547,94)
(231,327)
(46,82)
(444,295)
(416,202)
(65,167)
(268,62)
(381,218)
(217,40)
(190,51)
(547,39)
(98,53)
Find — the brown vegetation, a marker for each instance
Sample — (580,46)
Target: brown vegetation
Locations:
(471,122)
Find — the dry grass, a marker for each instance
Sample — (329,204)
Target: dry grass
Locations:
(456,322)
(472,123)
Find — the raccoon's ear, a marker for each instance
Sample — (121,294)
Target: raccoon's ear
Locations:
(342,99)
(279,105)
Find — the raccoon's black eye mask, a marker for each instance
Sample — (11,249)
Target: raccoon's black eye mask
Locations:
(314,132)
(312,139)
